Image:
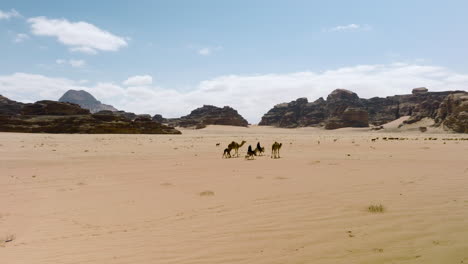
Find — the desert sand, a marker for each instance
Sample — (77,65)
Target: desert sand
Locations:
(173,199)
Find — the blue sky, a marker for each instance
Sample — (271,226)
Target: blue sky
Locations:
(221,52)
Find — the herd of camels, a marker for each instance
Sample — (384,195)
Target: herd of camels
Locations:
(258,151)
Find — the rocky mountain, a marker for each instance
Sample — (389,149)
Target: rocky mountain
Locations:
(62,117)
(10,107)
(343,108)
(209,115)
(85,100)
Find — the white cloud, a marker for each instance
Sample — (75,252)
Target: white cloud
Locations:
(79,36)
(139,80)
(77,63)
(9,14)
(209,50)
(20,37)
(73,63)
(251,95)
(204,51)
(86,50)
(32,87)
(350,27)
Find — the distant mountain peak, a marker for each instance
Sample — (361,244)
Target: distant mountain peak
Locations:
(85,100)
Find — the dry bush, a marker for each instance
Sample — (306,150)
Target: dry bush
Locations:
(376,208)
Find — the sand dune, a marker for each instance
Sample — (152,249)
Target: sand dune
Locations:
(173,199)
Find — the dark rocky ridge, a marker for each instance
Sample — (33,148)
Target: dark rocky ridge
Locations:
(54,108)
(10,107)
(85,100)
(343,108)
(61,117)
(208,115)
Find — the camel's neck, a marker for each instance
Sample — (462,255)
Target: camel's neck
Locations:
(242,144)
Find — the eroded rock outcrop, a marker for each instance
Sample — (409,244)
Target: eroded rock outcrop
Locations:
(159,118)
(420,90)
(350,117)
(47,107)
(210,115)
(10,107)
(343,108)
(85,100)
(60,117)
(453,112)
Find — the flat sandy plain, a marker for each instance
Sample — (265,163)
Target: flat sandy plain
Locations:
(173,199)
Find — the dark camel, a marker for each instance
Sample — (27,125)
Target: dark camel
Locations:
(259,150)
(250,153)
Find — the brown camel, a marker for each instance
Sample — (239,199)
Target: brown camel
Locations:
(235,146)
(275,148)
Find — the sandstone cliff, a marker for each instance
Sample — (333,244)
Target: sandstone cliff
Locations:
(343,108)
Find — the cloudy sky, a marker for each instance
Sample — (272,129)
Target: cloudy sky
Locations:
(169,57)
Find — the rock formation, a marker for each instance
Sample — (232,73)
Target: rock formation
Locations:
(420,90)
(159,119)
(85,100)
(209,115)
(298,113)
(10,107)
(60,117)
(350,117)
(143,118)
(47,107)
(453,112)
(343,108)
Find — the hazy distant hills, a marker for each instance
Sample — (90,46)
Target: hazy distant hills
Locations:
(85,100)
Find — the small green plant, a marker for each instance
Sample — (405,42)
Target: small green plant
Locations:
(376,208)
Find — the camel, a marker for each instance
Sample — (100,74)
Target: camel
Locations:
(235,146)
(259,149)
(250,153)
(275,148)
(227,153)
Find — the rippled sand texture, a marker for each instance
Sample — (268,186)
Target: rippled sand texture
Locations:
(173,199)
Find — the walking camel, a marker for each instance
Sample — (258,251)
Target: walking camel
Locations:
(275,148)
(235,146)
